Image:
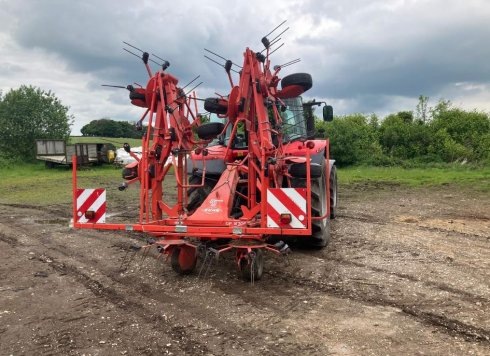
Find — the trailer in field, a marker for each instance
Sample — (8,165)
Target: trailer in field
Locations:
(57,152)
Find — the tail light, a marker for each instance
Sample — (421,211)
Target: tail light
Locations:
(285,218)
(310,145)
(90,214)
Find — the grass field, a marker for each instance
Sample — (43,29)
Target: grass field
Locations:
(118,142)
(34,184)
(459,176)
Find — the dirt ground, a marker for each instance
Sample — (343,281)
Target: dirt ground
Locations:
(407,272)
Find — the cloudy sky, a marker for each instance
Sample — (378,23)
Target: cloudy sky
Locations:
(364,56)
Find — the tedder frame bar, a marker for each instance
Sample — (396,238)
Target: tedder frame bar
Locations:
(184,227)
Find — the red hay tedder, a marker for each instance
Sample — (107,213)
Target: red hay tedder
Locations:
(250,177)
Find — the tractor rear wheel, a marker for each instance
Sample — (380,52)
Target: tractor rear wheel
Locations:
(196,195)
(333,192)
(320,234)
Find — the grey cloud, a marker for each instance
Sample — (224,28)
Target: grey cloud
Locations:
(366,55)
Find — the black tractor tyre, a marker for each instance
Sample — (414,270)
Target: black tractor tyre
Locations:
(333,192)
(320,234)
(302,79)
(298,170)
(210,130)
(196,195)
(252,270)
(214,106)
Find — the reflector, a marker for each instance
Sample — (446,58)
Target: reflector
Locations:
(285,218)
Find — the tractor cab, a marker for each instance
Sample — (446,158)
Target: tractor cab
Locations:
(240,140)
(298,118)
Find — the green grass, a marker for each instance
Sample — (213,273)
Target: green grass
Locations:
(116,141)
(474,178)
(33,184)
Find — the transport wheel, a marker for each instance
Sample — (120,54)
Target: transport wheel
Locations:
(196,195)
(134,95)
(183,259)
(333,192)
(320,235)
(252,265)
(210,130)
(215,106)
(303,80)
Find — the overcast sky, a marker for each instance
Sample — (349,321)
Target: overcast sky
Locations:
(364,56)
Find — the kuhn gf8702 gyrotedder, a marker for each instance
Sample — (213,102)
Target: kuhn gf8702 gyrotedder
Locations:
(247,178)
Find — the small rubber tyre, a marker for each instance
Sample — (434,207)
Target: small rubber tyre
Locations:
(129,173)
(210,130)
(254,269)
(215,106)
(320,235)
(134,95)
(333,192)
(183,260)
(303,80)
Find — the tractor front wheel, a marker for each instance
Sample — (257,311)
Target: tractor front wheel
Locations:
(196,195)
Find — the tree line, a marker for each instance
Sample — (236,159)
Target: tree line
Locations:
(442,134)
(106,127)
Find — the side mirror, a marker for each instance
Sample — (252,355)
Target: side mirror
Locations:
(327,113)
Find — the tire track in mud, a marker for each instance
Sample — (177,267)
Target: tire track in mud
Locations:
(112,296)
(450,326)
(53,209)
(145,290)
(109,294)
(470,297)
(376,221)
(12,241)
(439,322)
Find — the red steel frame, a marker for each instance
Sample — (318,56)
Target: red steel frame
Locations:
(169,115)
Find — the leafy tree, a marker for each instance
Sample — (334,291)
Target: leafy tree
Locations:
(421,110)
(451,135)
(106,127)
(468,130)
(27,114)
(403,138)
(353,139)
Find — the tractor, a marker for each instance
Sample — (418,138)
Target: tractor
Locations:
(298,136)
(248,179)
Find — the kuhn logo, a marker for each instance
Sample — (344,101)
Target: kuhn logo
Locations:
(214,202)
(213,206)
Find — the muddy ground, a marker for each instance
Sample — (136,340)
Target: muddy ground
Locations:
(407,272)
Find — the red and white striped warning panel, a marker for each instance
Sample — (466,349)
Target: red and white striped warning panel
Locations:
(91,205)
(286,208)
